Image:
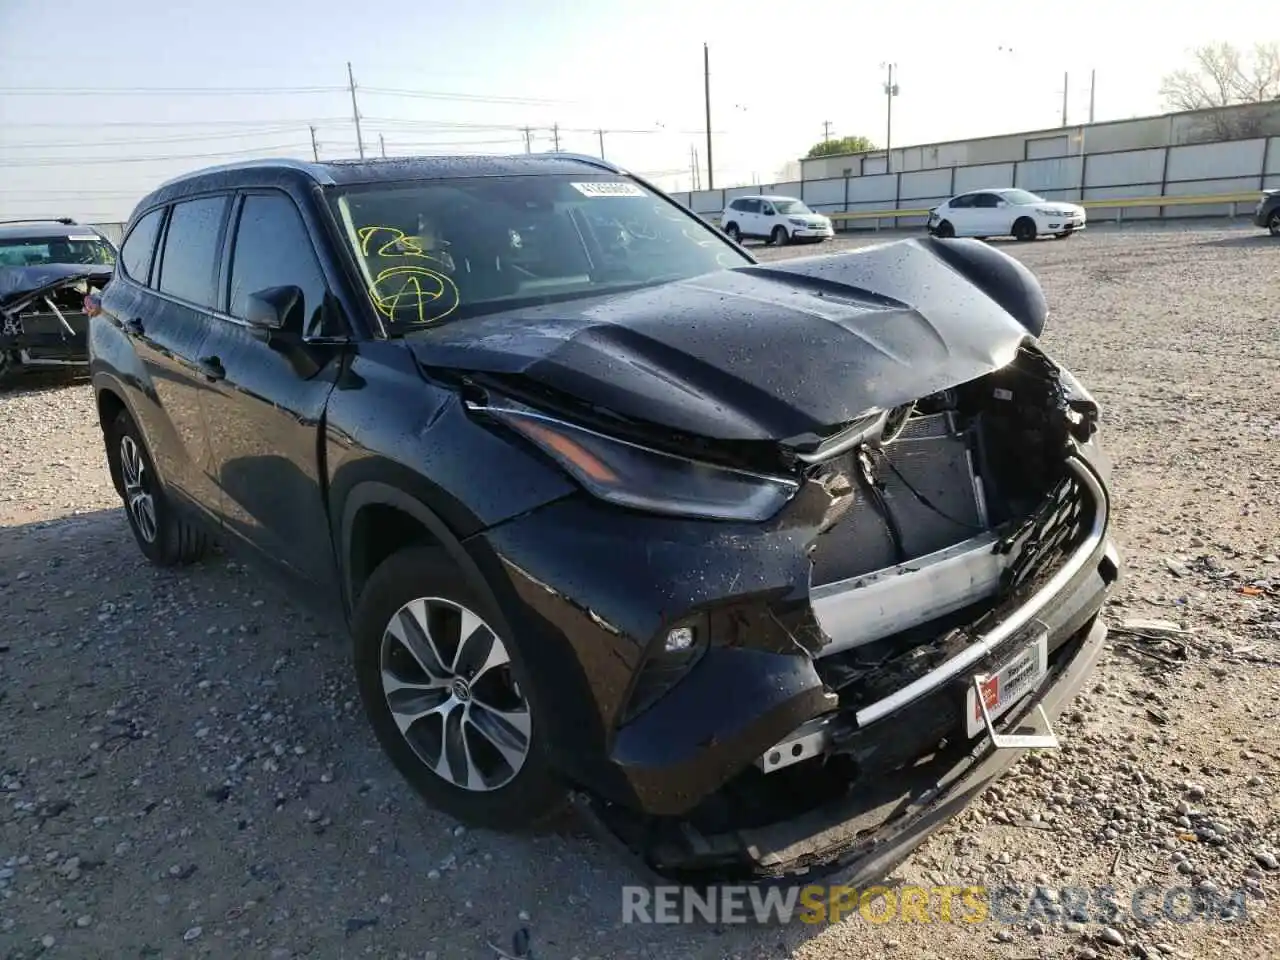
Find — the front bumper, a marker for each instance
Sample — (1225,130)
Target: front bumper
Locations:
(812,233)
(1065,224)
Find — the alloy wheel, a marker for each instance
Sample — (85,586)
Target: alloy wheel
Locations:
(138,495)
(1273,225)
(446,676)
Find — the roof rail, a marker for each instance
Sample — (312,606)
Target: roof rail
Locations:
(314,170)
(65,221)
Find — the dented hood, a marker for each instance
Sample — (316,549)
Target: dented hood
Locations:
(764,352)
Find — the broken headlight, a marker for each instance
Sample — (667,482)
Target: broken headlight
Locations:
(630,475)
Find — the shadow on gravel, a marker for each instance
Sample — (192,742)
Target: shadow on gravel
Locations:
(1247,240)
(33,381)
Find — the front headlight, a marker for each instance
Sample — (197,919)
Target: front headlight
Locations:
(795,221)
(1050,213)
(630,475)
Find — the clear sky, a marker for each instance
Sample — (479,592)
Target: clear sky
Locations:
(214,81)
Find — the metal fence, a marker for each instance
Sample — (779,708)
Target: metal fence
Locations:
(1124,184)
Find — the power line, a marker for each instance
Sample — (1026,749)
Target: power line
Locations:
(161,91)
(73,161)
(196,138)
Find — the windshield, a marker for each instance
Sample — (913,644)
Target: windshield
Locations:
(39,251)
(791,206)
(1021,197)
(448,249)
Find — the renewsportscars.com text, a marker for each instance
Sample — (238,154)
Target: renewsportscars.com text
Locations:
(973,904)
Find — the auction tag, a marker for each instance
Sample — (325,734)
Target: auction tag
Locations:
(608,188)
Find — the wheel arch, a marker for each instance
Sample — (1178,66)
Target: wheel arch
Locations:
(378,519)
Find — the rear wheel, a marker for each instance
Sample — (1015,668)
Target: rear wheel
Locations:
(9,365)
(449,698)
(779,237)
(1024,229)
(165,538)
(945,230)
(733,233)
(1273,224)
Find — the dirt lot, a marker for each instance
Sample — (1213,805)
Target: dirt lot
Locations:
(184,770)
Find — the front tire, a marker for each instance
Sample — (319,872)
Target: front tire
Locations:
(449,699)
(1273,224)
(1024,229)
(779,237)
(945,230)
(165,538)
(733,233)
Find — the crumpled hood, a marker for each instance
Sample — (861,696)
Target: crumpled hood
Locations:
(758,352)
(21,284)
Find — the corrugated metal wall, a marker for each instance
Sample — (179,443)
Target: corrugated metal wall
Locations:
(1201,169)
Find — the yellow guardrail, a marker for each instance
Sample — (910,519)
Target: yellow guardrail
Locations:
(1121,203)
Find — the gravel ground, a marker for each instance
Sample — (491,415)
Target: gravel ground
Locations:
(184,769)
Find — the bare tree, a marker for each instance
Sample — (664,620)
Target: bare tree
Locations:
(1223,76)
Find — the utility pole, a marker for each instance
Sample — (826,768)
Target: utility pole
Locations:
(315,150)
(1066,89)
(355,110)
(528,140)
(383,144)
(555,134)
(695,168)
(826,131)
(890,91)
(706,81)
(1093,81)
(600,134)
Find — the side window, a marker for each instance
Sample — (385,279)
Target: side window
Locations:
(962,202)
(767,208)
(738,205)
(986,200)
(273,249)
(191,250)
(135,254)
(751,206)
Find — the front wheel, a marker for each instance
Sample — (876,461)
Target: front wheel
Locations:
(166,538)
(733,233)
(449,697)
(945,230)
(1273,224)
(779,237)
(1024,229)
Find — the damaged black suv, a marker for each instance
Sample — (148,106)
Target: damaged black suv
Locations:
(50,273)
(771,566)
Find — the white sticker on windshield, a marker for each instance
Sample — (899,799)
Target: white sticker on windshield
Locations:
(81,238)
(616,188)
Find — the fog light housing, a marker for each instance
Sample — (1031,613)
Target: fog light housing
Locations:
(679,640)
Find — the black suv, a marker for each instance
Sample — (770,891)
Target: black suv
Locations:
(49,272)
(760,563)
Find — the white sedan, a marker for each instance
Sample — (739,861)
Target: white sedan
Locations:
(1007,212)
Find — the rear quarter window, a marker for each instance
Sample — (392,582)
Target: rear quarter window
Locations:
(140,245)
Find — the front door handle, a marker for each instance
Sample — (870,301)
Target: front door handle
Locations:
(212,368)
(134,326)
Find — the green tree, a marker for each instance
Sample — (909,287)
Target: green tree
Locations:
(831,148)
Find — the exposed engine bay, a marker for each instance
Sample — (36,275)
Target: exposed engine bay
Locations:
(44,314)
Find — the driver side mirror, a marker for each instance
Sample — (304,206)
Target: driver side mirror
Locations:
(271,310)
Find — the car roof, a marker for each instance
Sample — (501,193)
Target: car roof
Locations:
(12,230)
(280,171)
(762,196)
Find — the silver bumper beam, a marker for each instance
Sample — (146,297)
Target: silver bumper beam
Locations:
(958,574)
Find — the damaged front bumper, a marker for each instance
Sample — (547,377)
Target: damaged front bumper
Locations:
(821,726)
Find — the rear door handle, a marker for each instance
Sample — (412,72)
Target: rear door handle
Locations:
(135,326)
(212,368)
